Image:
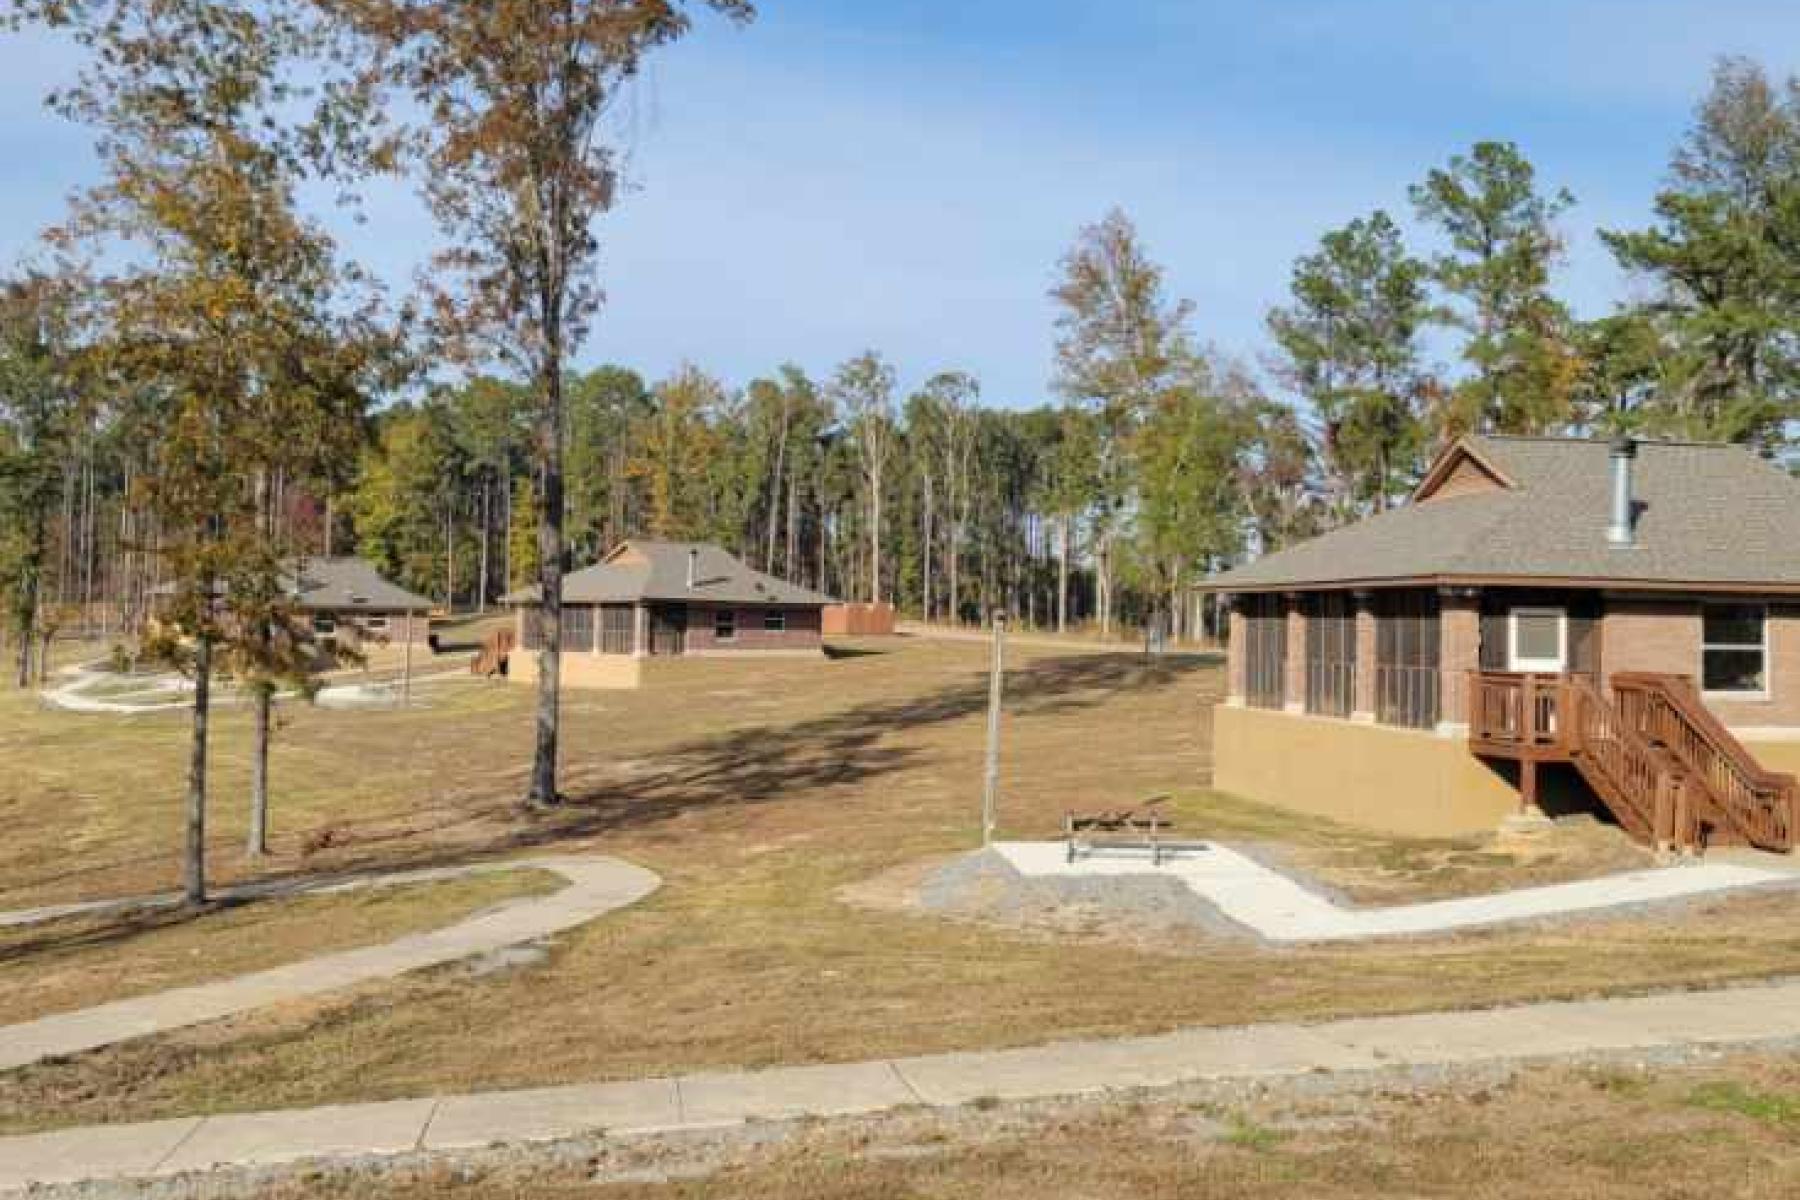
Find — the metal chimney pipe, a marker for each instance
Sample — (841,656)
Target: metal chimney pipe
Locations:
(1620,532)
(693,567)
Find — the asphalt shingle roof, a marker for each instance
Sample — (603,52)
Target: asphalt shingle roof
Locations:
(1707,514)
(350,583)
(661,574)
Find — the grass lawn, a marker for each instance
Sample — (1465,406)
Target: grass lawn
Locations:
(1725,1132)
(760,791)
(82,961)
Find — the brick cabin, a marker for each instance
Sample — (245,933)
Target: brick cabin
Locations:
(351,603)
(1548,624)
(654,600)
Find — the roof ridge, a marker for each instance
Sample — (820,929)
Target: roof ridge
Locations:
(1698,443)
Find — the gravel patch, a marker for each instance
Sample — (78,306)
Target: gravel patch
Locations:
(984,886)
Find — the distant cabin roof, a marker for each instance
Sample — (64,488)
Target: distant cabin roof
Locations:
(1502,509)
(646,570)
(344,583)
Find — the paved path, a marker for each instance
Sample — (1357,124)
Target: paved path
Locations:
(1737,1016)
(597,885)
(1279,909)
(168,691)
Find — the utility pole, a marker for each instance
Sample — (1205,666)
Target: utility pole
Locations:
(990,791)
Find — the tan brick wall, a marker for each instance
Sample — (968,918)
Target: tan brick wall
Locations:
(1296,655)
(1664,636)
(1459,653)
(1236,674)
(802,632)
(1366,645)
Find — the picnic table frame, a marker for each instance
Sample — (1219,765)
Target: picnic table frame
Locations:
(1143,827)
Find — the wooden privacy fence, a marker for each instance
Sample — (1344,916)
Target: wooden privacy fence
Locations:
(857,620)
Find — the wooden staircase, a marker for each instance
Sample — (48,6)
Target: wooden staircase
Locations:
(496,648)
(1654,754)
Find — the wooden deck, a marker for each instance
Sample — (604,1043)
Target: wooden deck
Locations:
(1648,747)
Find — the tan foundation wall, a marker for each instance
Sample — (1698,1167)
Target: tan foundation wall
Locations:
(1396,780)
(580,670)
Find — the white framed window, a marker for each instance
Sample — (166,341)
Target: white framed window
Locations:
(375,624)
(725,625)
(1537,640)
(324,624)
(775,621)
(1734,650)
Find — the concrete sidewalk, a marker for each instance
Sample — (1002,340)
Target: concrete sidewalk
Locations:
(1738,1016)
(1283,910)
(597,885)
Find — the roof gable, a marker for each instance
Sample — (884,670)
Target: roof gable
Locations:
(1461,470)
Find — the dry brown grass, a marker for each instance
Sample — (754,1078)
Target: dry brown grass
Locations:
(82,961)
(1726,1132)
(759,791)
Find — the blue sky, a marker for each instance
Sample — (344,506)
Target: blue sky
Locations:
(904,175)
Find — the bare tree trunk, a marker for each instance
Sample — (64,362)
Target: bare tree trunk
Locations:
(875,538)
(775,487)
(925,548)
(1062,574)
(793,529)
(481,575)
(194,888)
(550,572)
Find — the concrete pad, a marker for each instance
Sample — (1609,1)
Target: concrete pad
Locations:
(719,1098)
(1280,909)
(252,1139)
(545,1114)
(72,1155)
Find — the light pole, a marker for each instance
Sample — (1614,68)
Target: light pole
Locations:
(990,790)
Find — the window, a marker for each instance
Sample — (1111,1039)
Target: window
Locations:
(1408,658)
(1538,640)
(1330,653)
(725,625)
(375,624)
(324,624)
(1734,649)
(774,621)
(1265,651)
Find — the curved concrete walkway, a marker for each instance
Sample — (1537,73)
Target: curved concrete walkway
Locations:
(1538,1032)
(597,885)
(1283,910)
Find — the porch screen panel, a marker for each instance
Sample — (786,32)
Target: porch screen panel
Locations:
(616,629)
(1265,652)
(577,628)
(1407,659)
(1330,654)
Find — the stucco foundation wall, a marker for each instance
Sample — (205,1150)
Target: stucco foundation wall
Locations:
(1397,780)
(580,670)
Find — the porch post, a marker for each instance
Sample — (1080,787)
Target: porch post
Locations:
(1236,647)
(640,631)
(1295,682)
(1362,704)
(1459,652)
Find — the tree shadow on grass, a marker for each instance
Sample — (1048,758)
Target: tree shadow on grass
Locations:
(746,767)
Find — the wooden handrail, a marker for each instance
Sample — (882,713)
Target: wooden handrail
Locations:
(1760,805)
(1517,708)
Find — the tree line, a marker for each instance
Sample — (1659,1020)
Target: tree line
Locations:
(200,386)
